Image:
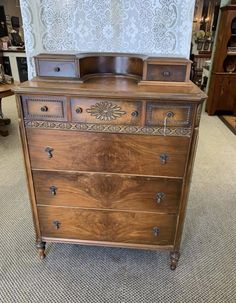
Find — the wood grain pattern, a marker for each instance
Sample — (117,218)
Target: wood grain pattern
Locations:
(109,191)
(108,152)
(127,227)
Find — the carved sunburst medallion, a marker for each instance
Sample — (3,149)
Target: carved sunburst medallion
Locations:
(106,111)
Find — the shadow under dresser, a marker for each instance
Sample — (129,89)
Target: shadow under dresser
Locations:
(109,141)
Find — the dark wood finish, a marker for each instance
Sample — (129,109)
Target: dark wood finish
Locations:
(128,154)
(222,89)
(49,108)
(5,91)
(167,70)
(108,191)
(127,227)
(222,94)
(112,164)
(166,73)
(106,111)
(111,64)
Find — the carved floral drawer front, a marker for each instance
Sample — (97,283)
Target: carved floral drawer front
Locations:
(115,153)
(44,108)
(54,68)
(107,191)
(106,111)
(112,226)
(169,115)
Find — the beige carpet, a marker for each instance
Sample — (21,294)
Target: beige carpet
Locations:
(73,273)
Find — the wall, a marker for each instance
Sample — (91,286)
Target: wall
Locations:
(159,27)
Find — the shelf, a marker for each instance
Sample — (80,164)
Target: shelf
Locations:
(231,53)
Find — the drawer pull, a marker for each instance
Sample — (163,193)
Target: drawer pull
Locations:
(79,110)
(53,190)
(166,74)
(163,158)
(44,108)
(156,231)
(170,115)
(49,151)
(57,224)
(159,197)
(134,114)
(57,69)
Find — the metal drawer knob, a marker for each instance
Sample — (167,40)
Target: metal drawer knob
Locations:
(53,190)
(166,74)
(134,114)
(49,151)
(44,108)
(57,69)
(159,197)
(156,231)
(56,224)
(163,158)
(79,110)
(170,115)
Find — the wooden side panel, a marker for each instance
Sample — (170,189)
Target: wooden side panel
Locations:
(127,227)
(115,153)
(107,191)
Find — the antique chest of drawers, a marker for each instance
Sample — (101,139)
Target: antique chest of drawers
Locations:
(109,143)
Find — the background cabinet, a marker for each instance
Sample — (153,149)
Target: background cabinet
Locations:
(222,88)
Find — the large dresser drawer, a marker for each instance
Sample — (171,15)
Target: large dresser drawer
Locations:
(44,108)
(131,154)
(106,111)
(94,190)
(169,114)
(56,68)
(112,226)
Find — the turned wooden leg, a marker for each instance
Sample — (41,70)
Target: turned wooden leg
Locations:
(41,249)
(174,258)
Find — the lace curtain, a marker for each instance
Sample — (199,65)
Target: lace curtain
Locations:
(158,27)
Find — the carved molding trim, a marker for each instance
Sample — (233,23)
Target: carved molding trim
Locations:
(100,128)
(105,111)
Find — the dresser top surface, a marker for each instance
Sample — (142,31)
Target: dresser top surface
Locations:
(113,87)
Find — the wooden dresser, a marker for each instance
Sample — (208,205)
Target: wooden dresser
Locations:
(109,143)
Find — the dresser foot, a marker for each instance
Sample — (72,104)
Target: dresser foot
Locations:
(41,249)
(174,258)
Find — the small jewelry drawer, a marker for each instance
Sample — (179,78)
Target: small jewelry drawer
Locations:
(44,108)
(176,73)
(164,114)
(111,226)
(107,191)
(56,68)
(106,111)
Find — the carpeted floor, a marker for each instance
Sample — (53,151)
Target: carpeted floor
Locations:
(73,273)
